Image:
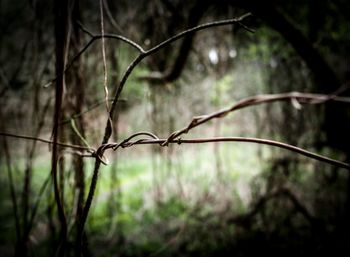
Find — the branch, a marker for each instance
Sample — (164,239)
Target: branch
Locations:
(201,27)
(178,62)
(112,21)
(93,38)
(77,147)
(277,20)
(88,109)
(158,47)
(262,201)
(144,53)
(12,190)
(61,15)
(294,97)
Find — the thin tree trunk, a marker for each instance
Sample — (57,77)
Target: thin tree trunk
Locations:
(61,14)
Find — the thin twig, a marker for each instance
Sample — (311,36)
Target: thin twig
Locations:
(201,27)
(143,53)
(151,51)
(105,77)
(80,136)
(110,17)
(12,189)
(61,17)
(78,147)
(88,109)
(37,202)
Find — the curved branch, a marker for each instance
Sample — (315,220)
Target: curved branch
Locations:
(135,62)
(61,18)
(174,72)
(305,98)
(93,38)
(160,46)
(201,27)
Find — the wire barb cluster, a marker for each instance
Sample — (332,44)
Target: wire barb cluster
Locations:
(125,143)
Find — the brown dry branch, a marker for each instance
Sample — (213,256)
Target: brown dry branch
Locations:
(245,219)
(78,148)
(284,193)
(296,99)
(144,53)
(87,110)
(111,20)
(105,75)
(37,202)
(28,173)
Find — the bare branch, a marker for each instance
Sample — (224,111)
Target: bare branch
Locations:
(61,17)
(302,98)
(105,75)
(78,147)
(110,17)
(158,47)
(90,108)
(201,27)
(12,189)
(144,53)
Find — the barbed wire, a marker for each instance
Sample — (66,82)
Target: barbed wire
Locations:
(296,98)
(154,140)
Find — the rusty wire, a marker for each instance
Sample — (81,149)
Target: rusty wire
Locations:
(300,98)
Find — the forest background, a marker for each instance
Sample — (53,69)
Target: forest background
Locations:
(118,136)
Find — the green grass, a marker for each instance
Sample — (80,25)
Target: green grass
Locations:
(141,209)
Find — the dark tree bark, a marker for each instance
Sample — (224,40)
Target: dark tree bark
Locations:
(76,85)
(61,14)
(174,70)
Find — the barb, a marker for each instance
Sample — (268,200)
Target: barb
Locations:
(155,140)
(125,143)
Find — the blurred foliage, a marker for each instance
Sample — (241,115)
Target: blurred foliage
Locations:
(207,200)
